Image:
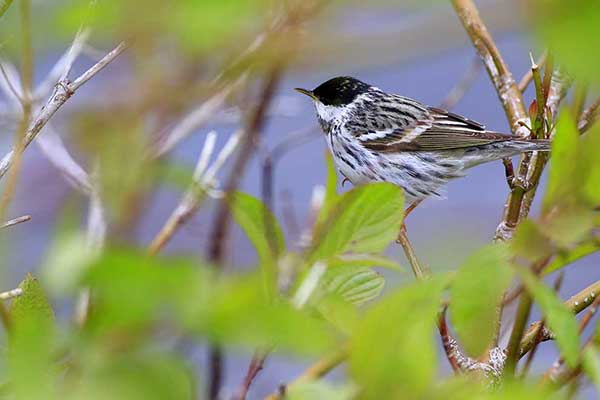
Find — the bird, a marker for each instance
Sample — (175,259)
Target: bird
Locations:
(375,136)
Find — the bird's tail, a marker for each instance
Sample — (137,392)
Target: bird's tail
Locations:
(531,145)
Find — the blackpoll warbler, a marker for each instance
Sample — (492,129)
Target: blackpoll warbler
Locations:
(375,136)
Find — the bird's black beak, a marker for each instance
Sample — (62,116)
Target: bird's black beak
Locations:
(309,93)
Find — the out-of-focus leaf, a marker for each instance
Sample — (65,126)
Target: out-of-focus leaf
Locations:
(569,225)
(590,146)
(364,260)
(363,220)
(569,27)
(226,309)
(238,313)
(194,25)
(564,179)
(263,230)
(338,312)
(134,377)
(558,317)
(530,242)
(476,292)
(566,258)
(66,264)
(31,343)
(356,285)
(591,364)
(521,390)
(331,194)
(259,224)
(395,339)
(4,4)
(320,390)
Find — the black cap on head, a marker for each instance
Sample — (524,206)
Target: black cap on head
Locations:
(340,91)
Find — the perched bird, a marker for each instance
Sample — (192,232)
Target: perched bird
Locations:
(376,136)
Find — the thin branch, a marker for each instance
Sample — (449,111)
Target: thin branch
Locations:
(62,92)
(9,87)
(540,334)
(315,371)
(576,304)
(195,119)
(589,116)
(220,227)
(256,365)
(57,154)
(528,76)
(421,271)
(15,221)
(63,66)
(462,87)
(202,183)
(507,89)
(11,294)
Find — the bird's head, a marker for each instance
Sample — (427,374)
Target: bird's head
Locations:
(332,96)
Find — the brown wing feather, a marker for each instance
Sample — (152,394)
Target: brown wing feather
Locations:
(445,131)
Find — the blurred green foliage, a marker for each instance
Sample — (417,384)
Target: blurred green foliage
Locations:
(192,25)
(571,29)
(304,300)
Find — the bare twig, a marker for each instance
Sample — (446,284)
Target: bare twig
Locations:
(315,371)
(540,334)
(11,294)
(528,76)
(576,304)
(589,116)
(462,87)
(15,221)
(420,271)
(222,216)
(9,86)
(256,365)
(507,89)
(62,92)
(195,119)
(203,182)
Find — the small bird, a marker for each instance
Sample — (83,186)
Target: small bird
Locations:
(376,136)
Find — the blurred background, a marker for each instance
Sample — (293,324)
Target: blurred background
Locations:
(181,55)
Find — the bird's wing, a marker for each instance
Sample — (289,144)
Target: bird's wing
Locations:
(432,129)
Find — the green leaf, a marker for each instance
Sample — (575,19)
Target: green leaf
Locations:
(569,28)
(356,285)
(331,195)
(364,220)
(238,313)
(476,292)
(590,145)
(32,304)
(259,224)
(591,364)
(364,260)
(263,230)
(4,4)
(227,309)
(134,376)
(558,317)
(563,178)
(565,258)
(320,390)
(531,242)
(31,343)
(393,352)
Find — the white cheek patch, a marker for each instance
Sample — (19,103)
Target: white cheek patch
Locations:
(328,113)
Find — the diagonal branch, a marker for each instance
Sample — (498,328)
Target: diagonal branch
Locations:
(63,91)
